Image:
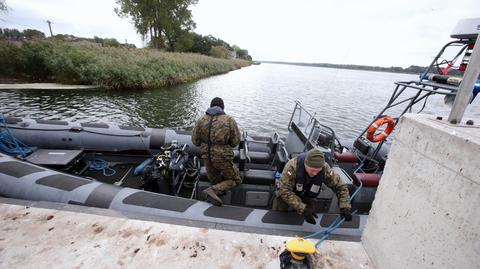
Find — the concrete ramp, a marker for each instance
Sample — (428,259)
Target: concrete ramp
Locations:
(33,237)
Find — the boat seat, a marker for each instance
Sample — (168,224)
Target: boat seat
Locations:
(255,156)
(259,157)
(367,179)
(346,157)
(259,177)
(251,176)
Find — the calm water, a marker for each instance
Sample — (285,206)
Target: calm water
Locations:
(260,98)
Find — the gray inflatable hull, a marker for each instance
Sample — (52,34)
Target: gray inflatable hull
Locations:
(53,134)
(22,180)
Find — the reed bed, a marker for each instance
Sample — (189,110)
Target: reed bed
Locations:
(116,68)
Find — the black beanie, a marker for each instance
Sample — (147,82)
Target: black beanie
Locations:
(217,101)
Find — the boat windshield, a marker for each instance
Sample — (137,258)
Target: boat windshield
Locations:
(309,129)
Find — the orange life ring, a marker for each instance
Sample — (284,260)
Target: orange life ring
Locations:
(381,136)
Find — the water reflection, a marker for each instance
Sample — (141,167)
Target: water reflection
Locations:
(260,97)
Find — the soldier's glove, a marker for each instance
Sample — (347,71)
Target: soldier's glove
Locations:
(346,214)
(310,215)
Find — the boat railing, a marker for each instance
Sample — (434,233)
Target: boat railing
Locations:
(425,86)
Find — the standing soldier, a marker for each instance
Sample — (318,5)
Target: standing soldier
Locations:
(301,182)
(217,134)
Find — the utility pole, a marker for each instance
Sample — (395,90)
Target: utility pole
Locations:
(50,27)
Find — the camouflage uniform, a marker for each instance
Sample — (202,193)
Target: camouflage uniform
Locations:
(286,197)
(224,136)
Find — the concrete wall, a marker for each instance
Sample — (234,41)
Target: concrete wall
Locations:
(426,212)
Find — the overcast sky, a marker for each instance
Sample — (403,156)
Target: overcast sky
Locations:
(369,32)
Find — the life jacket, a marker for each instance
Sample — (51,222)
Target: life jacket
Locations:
(312,189)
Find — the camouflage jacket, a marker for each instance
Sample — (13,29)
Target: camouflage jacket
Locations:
(224,134)
(287,185)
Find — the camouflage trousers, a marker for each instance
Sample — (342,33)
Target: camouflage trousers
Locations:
(280,205)
(223,175)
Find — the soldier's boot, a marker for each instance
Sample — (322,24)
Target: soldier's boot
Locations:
(209,195)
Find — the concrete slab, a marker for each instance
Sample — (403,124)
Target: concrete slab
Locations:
(48,238)
(425,213)
(44,86)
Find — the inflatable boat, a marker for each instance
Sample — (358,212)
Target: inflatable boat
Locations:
(110,166)
(158,172)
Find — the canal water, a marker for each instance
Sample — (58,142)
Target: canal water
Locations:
(260,97)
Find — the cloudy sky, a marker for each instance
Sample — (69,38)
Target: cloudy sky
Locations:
(369,32)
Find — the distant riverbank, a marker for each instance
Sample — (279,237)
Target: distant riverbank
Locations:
(413,69)
(109,67)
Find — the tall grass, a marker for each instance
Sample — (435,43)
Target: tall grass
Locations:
(87,63)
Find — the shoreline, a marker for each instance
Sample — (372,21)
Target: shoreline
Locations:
(44,86)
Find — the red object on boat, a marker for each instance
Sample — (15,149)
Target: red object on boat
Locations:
(367,179)
(346,157)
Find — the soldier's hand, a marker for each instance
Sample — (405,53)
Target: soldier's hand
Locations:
(310,215)
(346,214)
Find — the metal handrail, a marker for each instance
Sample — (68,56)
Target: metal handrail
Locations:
(424,90)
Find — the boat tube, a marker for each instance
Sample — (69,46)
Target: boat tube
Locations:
(23,180)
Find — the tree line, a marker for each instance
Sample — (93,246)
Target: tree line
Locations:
(168,25)
(413,69)
(32,34)
(206,45)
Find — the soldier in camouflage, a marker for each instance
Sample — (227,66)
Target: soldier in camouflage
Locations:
(301,182)
(217,134)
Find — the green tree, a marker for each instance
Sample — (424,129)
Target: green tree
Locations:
(185,42)
(110,42)
(11,34)
(200,44)
(204,44)
(243,54)
(30,34)
(164,22)
(97,39)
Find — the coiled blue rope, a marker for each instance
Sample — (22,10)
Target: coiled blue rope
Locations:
(99,164)
(9,144)
(335,224)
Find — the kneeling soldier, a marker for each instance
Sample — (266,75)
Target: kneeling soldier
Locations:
(301,182)
(217,133)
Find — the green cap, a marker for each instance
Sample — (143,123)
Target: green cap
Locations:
(315,159)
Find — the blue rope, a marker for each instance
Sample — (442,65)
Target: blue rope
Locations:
(99,164)
(9,144)
(335,224)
